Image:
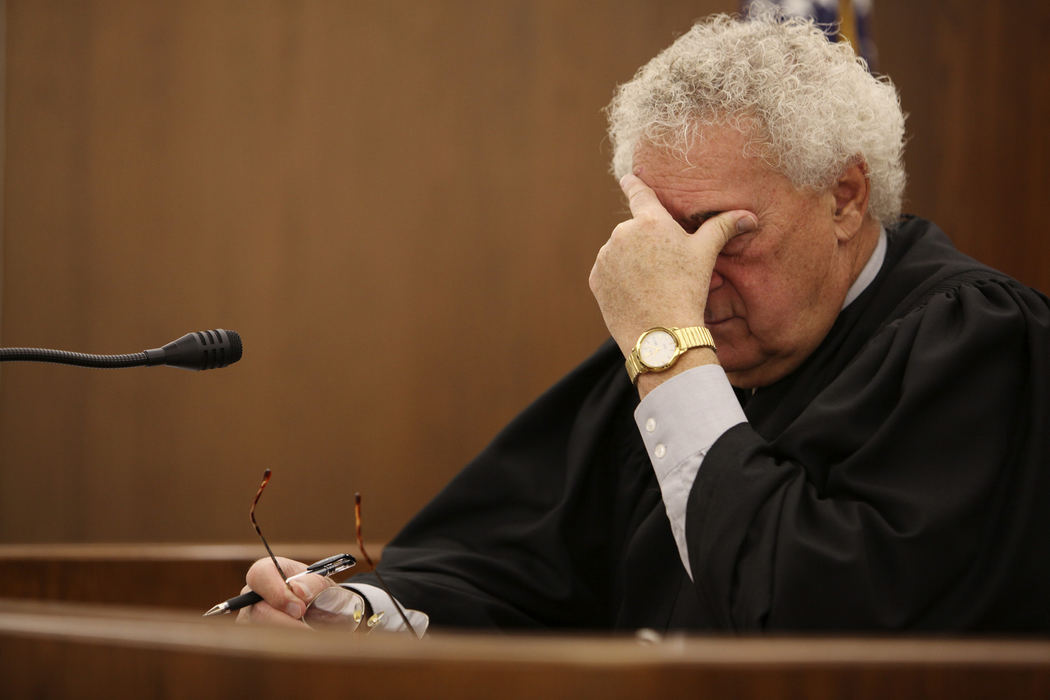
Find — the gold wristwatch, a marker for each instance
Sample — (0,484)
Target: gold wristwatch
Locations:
(659,348)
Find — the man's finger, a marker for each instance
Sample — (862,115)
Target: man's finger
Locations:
(263,579)
(727,225)
(640,197)
(309,586)
(263,614)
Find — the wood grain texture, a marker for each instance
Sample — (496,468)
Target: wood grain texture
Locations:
(135,653)
(158,575)
(978,154)
(397,205)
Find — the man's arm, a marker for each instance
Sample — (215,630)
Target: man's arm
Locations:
(652,273)
(679,422)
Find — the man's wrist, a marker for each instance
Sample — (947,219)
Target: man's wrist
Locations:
(695,357)
(659,348)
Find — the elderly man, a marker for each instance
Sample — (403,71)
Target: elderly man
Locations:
(843,421)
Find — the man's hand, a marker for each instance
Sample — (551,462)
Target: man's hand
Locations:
(280,606)
(651,272)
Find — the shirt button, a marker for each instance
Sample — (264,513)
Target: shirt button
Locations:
(660,451)
(650,425)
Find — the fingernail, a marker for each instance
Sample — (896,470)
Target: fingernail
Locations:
(295,609)
(745,224)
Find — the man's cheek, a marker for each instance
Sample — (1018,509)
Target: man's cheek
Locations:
(731,335)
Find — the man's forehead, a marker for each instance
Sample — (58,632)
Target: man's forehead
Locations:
(683,186)
(719,171)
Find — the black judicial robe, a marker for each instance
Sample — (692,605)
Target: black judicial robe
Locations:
(898,480)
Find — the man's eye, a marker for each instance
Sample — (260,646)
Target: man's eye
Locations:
(693,223)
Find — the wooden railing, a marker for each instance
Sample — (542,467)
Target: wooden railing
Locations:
(142,637)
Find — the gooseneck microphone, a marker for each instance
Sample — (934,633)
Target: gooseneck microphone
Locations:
(199,350)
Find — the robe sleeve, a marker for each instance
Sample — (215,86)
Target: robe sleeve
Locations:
(909,493)
(528,533)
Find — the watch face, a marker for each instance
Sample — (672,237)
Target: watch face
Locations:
(657,349)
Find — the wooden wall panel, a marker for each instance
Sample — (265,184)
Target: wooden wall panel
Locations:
(397,205)
(978,101)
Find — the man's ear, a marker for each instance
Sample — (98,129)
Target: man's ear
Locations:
(851,191)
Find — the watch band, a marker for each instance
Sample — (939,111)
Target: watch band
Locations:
(685,339)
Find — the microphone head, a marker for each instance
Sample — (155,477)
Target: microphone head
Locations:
(201,350)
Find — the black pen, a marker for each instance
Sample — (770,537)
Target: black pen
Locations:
(326,567)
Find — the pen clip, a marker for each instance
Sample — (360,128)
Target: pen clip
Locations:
(334,559)
(328,566)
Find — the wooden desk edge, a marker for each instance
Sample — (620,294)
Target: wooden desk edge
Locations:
(152,628)
(174,551)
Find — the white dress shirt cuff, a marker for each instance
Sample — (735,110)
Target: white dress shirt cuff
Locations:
(390,620)
(679,422)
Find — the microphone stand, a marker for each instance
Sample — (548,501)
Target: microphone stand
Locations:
(195,351)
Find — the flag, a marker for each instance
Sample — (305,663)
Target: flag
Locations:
(848,20)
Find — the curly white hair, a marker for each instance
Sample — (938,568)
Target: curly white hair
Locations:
(809,106)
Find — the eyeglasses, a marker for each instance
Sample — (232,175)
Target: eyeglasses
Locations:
(334,604)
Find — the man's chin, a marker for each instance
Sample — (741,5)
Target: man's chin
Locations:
(736,363)
(745,380)
(747,368)
(754,370)
(732,339)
